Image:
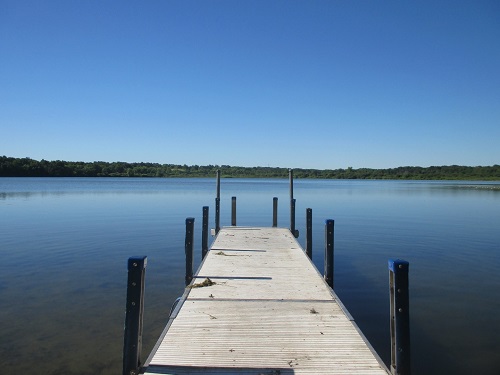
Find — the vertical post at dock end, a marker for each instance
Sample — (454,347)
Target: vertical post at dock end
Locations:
(188,247)
(309,232)
(292,206)
(204,235)
(233,211)
(218,184)
(400,317)
(292,219)
(275,212)
(217,215)
(132,343)
(329,262)
(217,204)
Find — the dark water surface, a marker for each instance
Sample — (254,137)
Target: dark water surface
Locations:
(64,243)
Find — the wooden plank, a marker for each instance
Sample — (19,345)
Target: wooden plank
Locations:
(269,312)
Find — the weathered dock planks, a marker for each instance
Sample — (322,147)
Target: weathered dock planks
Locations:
(268,312)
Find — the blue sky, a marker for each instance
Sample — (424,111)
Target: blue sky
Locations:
(299,84)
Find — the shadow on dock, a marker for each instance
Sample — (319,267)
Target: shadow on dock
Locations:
(180,370)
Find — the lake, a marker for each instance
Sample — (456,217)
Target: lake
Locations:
(64,245)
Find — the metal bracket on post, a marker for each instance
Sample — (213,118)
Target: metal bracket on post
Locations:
(329,262)
(400,317)
(132,345)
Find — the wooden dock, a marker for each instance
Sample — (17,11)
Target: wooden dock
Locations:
(257,305)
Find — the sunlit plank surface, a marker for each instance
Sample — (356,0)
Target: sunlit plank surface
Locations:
(269,312)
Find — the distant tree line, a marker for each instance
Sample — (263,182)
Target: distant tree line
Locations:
(26,167)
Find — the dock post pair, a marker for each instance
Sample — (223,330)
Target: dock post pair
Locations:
(275,208)
(217,206)
(132,346)
(189,243)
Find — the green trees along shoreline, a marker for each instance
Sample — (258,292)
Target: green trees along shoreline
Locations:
(26,167)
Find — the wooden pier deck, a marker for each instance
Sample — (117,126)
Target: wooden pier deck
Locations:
(268,311)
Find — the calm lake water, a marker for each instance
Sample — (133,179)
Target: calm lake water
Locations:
(64,245)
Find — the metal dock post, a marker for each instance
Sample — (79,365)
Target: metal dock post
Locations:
(400,317)
(132,345)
